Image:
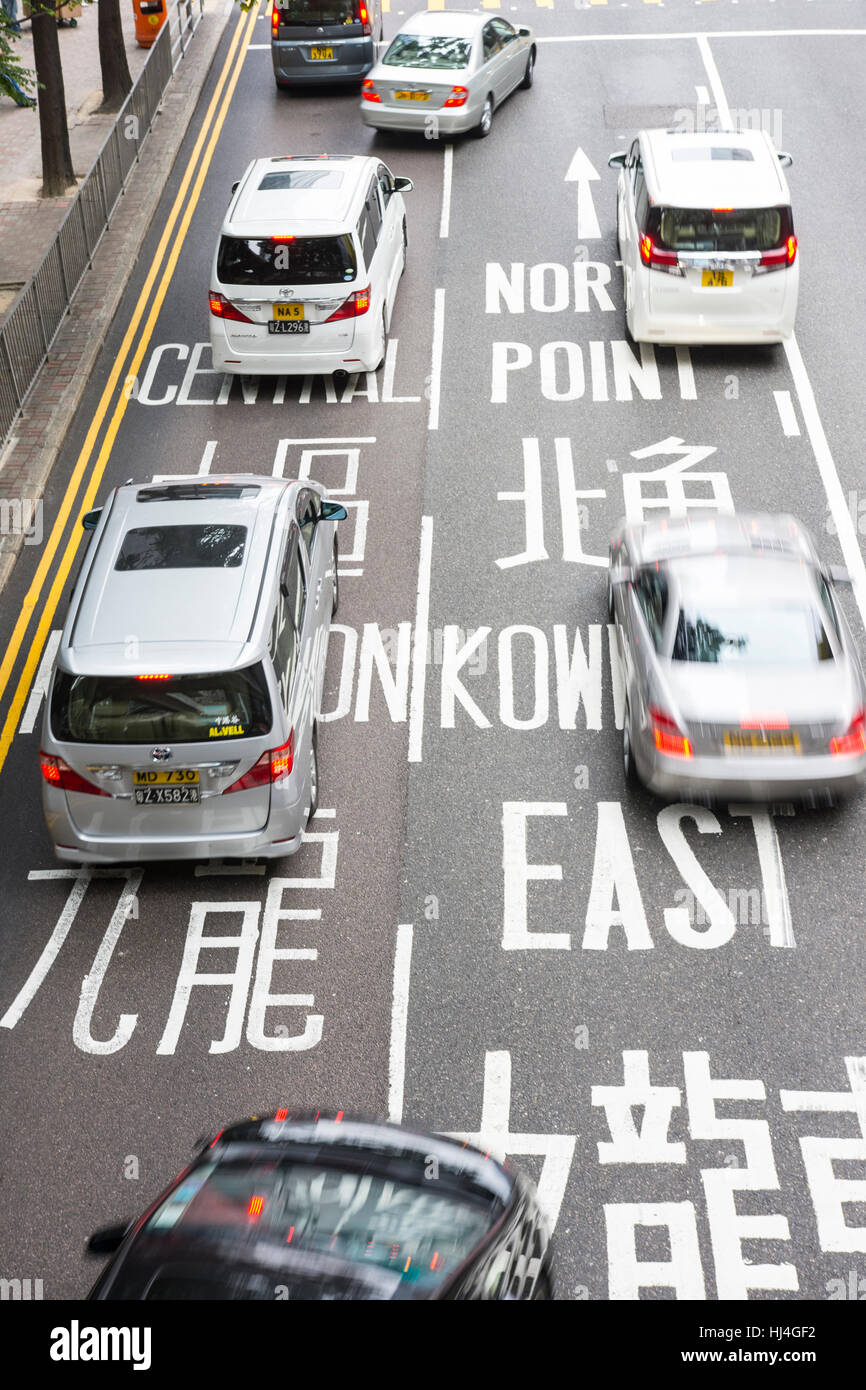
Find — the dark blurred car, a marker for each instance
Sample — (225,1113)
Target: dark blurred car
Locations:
(299,1206)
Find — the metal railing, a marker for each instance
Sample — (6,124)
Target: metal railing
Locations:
(33,322)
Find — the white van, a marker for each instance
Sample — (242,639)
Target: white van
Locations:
(307,266)
(706,238)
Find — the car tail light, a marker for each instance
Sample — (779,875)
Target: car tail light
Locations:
(459,97)
(362,16)
(275,22)
(779,257)
(222,308)
(657,258)
(368,91)
(58,773)
(852,743)
(357,304)
(273,766)
(669,737)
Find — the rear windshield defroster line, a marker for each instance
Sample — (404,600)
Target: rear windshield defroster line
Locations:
(213,708)
(302,260)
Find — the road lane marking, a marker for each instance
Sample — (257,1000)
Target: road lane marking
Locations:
(436,361)
(446,190)
(185,204)
(787,414)
(820,448)
(419,651)
(705,34)
(40,685)
(399,1020)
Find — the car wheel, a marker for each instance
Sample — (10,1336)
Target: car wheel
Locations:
(335,600)
(611,611)
(529,75)
(314,774)
(485,124)
(628,765)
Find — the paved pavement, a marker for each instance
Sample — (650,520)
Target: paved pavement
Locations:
(29,222)
(30,453)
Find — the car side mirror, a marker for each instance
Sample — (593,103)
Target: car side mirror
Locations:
(333,511)
(90,520)
(525,33)
(838,574)
(235,186)
(402,185)
(617,161)
(108,1239)
(785,159)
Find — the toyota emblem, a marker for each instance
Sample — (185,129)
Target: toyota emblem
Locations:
(160,755)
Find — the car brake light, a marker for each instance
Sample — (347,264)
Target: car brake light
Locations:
(852,743)
(459,97)
(657,258)
(275,22)
(368,91)
(779,257)
(357,303)
(272,766)
(769,721)
(58,773)
(222,308)
(363,17)
(669,738)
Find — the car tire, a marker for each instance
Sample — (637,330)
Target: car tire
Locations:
(529,75)
(335,598)
(611,611)
(314,773)
(485,124)
(381,361)
(629,769)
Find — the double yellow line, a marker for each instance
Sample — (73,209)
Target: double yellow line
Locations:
(183,208)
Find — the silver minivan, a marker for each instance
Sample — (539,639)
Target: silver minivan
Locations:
(315,41)
(181,718)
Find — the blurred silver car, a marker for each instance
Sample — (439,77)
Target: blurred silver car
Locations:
(741,677)
(181,719)
(450,67)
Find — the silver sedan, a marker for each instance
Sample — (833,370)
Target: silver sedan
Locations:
(447,71)
(741,677)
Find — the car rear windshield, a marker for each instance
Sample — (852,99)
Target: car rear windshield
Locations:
(319,12)
(302,260)
(428,51)
(690,229)
(161,709)
(361,1217)
(780,635)
(182,547)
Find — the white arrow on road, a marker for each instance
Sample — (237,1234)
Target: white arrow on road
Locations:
(685,455)
(581,172)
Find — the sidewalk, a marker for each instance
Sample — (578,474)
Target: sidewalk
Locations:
(28,223)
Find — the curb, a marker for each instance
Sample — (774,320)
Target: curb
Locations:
(39,431)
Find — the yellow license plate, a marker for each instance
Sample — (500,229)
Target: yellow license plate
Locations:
(319,53)
(168,777)
(293,312)
(761,741)
(412,96)
(717,279)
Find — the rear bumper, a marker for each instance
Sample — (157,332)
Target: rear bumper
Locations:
(294,65)
(669,311)
(281,835)
(739,779)
(457,121)
(290,360)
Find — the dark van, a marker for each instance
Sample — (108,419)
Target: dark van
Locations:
(324,40)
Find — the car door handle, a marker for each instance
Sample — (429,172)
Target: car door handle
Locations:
(318,591)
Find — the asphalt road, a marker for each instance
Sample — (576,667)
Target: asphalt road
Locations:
(639,1055)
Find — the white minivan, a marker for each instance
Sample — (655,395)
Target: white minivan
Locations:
(307,266)
(706,238)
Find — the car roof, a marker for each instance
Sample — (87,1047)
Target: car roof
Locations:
(256,211)
(454,23)
(667,539)
(680,169)
(182,620)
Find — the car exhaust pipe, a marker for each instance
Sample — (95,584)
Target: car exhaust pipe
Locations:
(340,378)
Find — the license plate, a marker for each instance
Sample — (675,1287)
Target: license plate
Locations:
(168,777)
(289,326)
(318,54)
(717,279)
(412,96)
(295,312)
(761,741)
(166,796)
